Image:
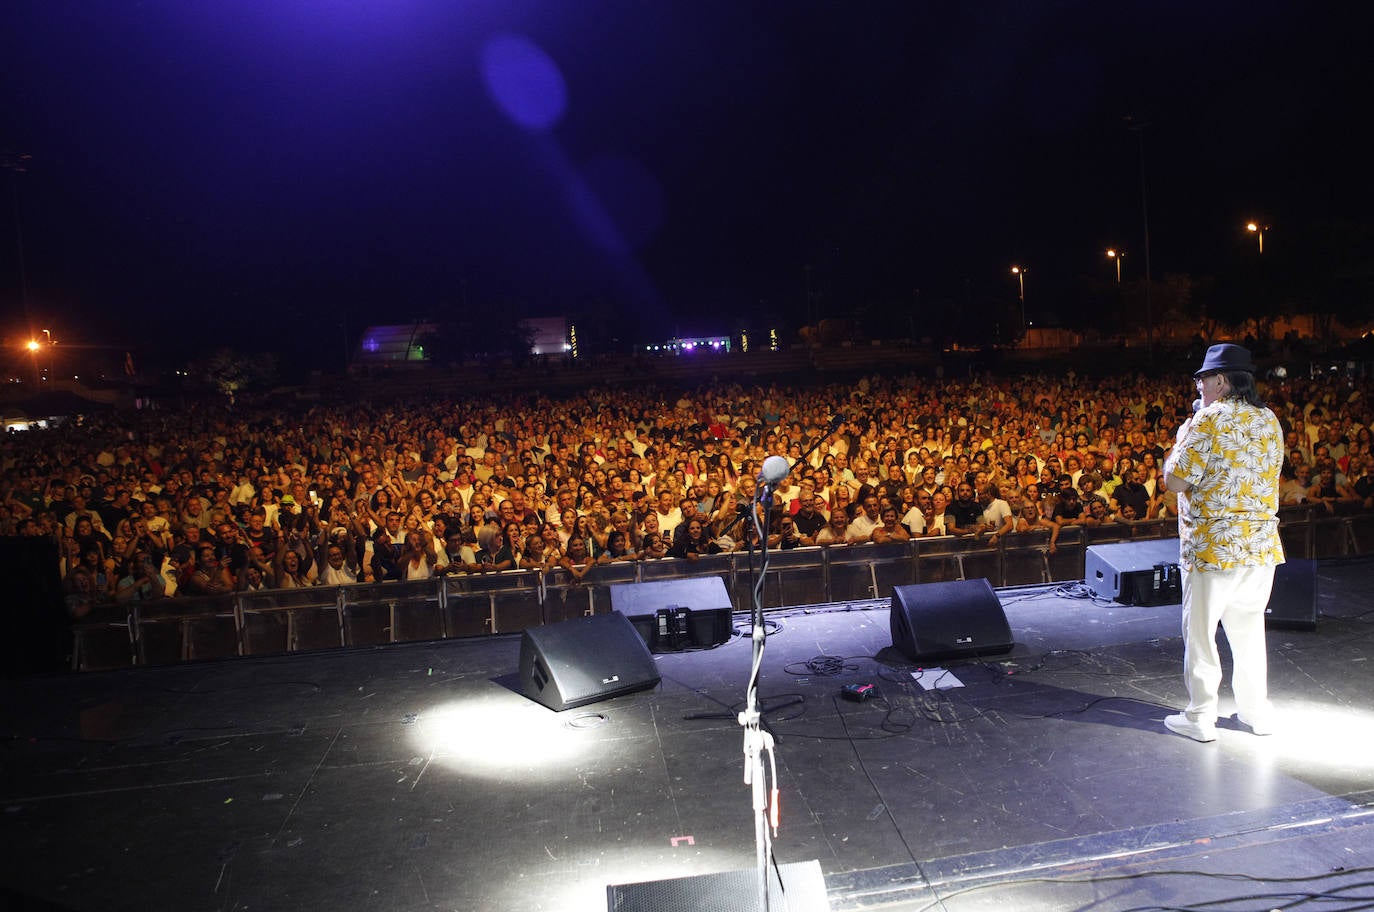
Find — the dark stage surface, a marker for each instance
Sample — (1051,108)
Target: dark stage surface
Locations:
(418,778)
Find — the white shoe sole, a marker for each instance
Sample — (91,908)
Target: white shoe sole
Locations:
(1181,725)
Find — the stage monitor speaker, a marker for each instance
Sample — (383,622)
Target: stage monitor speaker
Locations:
(1135,572)
(949,620)
(797,886)
(1293,600)
(576,662)
(673,615)
(36,639)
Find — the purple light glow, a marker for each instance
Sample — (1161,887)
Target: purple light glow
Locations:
(630,196)
(524,82)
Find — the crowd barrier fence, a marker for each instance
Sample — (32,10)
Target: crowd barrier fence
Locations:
(293,620)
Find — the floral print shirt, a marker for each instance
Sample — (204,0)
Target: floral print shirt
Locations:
(1230,455)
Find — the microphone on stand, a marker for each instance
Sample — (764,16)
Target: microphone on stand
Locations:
(773,470)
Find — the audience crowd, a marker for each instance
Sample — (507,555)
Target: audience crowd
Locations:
(205,501)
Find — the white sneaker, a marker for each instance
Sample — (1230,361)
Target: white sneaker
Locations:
(1198,731)
(1261,726)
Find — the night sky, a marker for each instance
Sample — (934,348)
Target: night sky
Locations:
(279,174)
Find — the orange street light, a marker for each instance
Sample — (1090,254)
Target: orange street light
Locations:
(1258,231)
(1021,292)
(1118,256)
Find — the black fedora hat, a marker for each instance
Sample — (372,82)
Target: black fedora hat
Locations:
(1226,357)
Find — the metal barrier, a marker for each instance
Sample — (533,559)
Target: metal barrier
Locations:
(291,620)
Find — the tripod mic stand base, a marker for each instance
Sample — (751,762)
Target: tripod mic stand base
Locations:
(801,889)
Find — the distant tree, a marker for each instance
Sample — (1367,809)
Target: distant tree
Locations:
(231,372)
(1340,283)
(475,333)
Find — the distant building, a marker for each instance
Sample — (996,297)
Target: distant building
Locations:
(403,343)
(393,344)
(550,335)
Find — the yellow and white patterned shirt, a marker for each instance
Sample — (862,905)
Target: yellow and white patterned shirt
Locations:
(1230,457)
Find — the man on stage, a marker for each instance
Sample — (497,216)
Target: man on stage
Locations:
(1225,468)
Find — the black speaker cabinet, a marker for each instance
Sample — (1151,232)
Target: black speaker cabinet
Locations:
(36,640)
(1135,573)
(945,620)
(1293,600)
(581,661)
(672,615)
(798,886)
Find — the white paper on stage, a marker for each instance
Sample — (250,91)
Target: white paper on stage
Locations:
(936,679)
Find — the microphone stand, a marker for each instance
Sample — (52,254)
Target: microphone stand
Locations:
(758,741)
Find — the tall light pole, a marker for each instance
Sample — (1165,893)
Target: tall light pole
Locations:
(34,347)
(17,163)
(1117,256)
(1257,230)
(1138,128)
(1021,293)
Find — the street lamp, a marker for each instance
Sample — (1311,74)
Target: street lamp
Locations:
(1258,231)
(34,346)
(1118,256)
(1021,293)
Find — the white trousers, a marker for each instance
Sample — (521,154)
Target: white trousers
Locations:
(1236,600)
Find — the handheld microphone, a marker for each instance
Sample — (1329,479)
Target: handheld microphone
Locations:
(1197,404)
(773,470)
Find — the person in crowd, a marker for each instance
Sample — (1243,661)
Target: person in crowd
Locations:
(669,512)
(965,513)
(577,560)
(835,531)
(1292,490)
(1067,509)
(808,519)
(207,576)
(860,529)
(1133,493)
(915,517)
(290,570)
(459,554)
(996,519)
(786,536)
(841,503)
(1326,490)
(140,580)
(337,558)
(696,541)
(535,555)
(891,530)
(937,521)
(1362,480)
(86,534)
(1089,483)
(418,560)
(1098,514)
(618,548)
(497,554)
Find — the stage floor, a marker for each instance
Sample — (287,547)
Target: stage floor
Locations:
(418,778)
